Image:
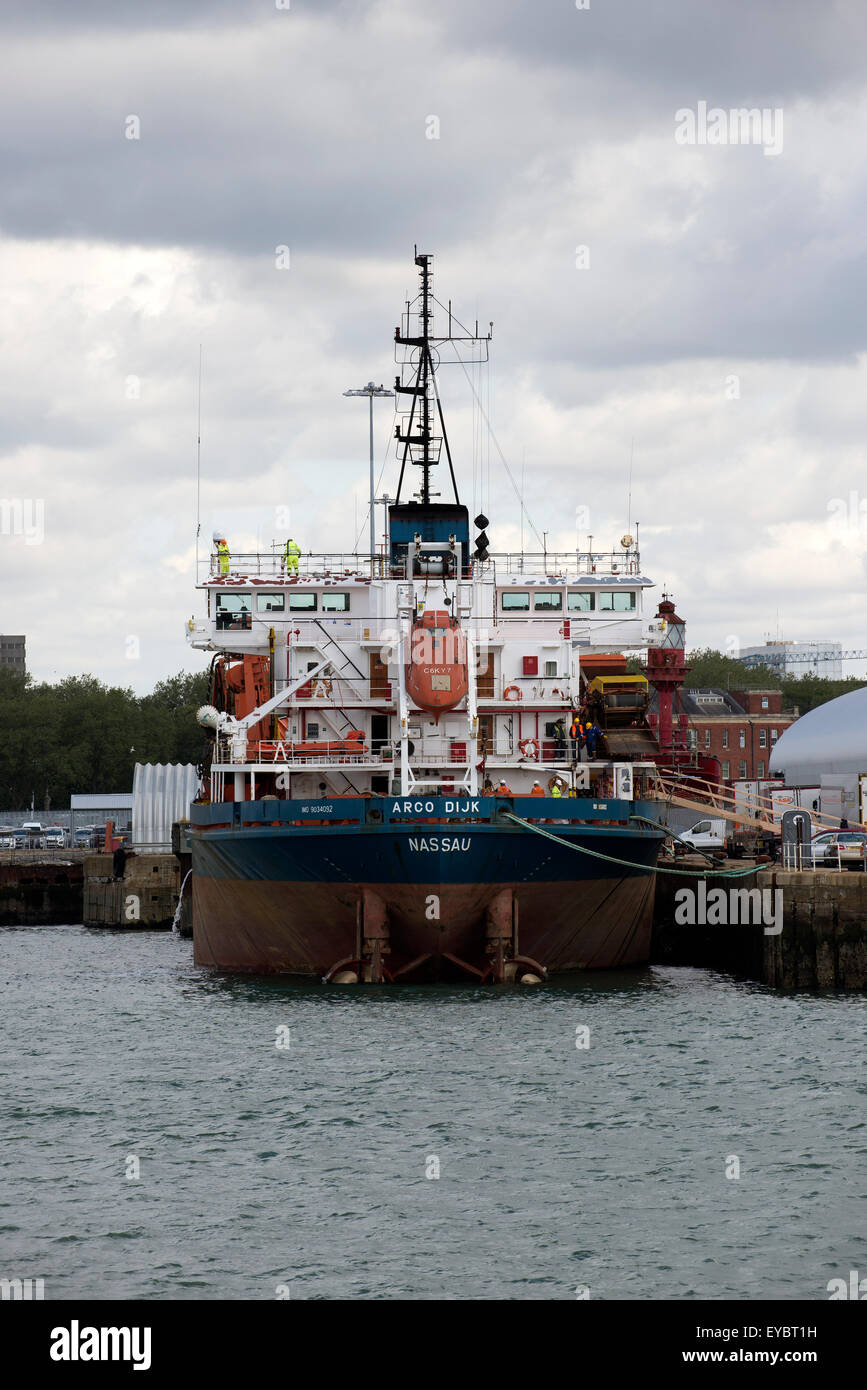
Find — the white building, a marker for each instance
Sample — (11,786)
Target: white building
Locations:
(798,658)
(827,748)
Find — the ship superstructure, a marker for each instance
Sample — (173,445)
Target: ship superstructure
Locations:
(434,683)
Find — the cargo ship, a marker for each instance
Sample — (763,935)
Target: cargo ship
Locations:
(431,761)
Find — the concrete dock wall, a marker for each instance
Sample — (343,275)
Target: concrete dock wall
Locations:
(146,896)
(35,893)
(823,944)
(821,915)
(738,948)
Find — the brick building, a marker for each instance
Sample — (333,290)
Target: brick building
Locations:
(739,727)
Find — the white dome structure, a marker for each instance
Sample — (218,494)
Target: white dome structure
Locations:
(831,739)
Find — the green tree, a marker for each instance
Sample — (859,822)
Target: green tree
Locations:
(82,736)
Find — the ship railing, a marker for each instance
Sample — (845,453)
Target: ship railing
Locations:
(337,693)
(269,564)
(278,753)
(560,564)
(564,564)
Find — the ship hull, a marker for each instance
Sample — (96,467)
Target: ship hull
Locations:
(290,899)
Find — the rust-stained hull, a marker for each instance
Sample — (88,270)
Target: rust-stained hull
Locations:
(291,928)
(292,901)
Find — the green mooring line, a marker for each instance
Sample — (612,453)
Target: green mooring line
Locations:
(627,863)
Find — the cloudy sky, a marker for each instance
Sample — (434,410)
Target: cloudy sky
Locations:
(697,307)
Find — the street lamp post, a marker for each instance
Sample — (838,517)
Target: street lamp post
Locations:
(383,502)
(371,390)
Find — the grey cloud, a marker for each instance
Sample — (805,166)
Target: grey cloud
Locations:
(84,16)
(733,53)
(557,129)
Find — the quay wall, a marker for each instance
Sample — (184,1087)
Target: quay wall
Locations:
(822,943)
(36,891)
(146,896)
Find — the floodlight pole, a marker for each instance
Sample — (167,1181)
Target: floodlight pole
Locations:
(371,390)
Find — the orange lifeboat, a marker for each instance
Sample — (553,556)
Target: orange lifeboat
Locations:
(436,677)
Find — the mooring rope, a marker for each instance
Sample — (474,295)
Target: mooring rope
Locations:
(627,863)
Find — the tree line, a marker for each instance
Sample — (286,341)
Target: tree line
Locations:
(708,669)
(83,736)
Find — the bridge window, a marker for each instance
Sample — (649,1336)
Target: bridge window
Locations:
(516,601)
(335,603)
(580,602)
(233,612)
(551,602)
(302,603)
(270,603)
(621,601)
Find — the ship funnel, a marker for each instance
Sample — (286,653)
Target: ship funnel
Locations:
(208,716)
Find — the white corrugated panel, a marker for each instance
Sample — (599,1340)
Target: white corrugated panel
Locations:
(161,794)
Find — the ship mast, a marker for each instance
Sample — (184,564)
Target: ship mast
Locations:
(421,445)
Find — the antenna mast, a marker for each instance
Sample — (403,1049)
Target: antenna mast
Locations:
(415,432)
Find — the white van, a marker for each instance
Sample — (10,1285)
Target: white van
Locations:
(706,834)
(34,835)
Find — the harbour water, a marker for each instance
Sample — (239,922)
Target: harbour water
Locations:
(288,1137)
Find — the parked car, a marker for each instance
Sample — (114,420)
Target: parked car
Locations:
(847,847)
(90,837)
(7,837)
(55,837)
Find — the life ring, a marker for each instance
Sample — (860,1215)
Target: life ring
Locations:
(556,781)
(518,695)
(321,690)
(529,747)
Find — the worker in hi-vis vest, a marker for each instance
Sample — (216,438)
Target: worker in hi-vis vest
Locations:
(291,552)
(223,554)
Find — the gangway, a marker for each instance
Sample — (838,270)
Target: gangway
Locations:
(719,800)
